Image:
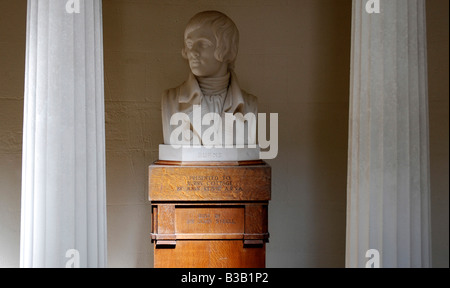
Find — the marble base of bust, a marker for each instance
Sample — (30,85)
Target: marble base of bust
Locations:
(203,154)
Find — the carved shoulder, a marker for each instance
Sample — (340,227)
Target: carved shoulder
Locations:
(251,102)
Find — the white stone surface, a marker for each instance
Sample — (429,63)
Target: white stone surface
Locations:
(388,195)
(63,170)
(203,154)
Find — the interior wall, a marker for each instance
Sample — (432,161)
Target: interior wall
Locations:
(12,71)
(294,55)
(438,91)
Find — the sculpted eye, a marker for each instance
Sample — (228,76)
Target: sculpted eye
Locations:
(188,44)
(206,44)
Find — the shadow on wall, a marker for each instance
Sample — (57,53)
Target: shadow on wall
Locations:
(308,210)
(329,132)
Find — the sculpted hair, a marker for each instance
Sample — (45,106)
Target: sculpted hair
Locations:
(225,31)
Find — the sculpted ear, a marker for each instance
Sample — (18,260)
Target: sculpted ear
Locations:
(183,53)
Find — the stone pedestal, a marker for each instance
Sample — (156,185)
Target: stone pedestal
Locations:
(209,214)
(202,154)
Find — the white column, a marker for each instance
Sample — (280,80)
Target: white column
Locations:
(388,197)
(63,172)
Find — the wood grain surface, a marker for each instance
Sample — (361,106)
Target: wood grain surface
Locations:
(210,254)
(209,216)
(209,183)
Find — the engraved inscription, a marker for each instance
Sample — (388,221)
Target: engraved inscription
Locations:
(207,219)
(220,220)
(203,219)
(209,155)
(215,183)
(210,184)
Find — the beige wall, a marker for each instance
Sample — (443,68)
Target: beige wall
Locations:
(438,60)
(12,69)
(294,55)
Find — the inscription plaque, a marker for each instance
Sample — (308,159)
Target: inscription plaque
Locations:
(206,183)
(209,220)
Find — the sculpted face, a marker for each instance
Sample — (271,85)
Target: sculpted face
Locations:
(200,46)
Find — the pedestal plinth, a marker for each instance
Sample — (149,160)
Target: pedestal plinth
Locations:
(209,214)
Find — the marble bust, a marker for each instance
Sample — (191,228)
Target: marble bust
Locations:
(211,41)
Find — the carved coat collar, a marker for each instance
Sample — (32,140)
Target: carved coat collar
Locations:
(190,93)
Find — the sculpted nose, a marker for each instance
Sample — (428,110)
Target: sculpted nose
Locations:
(194,52)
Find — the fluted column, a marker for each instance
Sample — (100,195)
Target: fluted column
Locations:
(388,206)
(63,172)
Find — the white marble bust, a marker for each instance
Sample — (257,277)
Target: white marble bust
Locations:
(211,41)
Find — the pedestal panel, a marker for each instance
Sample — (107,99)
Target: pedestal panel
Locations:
(209,215)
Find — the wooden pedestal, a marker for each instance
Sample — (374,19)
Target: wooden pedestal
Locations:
(209,215)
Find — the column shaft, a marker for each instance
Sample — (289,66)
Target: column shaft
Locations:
(63,169)
(388,174)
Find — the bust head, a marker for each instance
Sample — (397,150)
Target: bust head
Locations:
(211,41)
